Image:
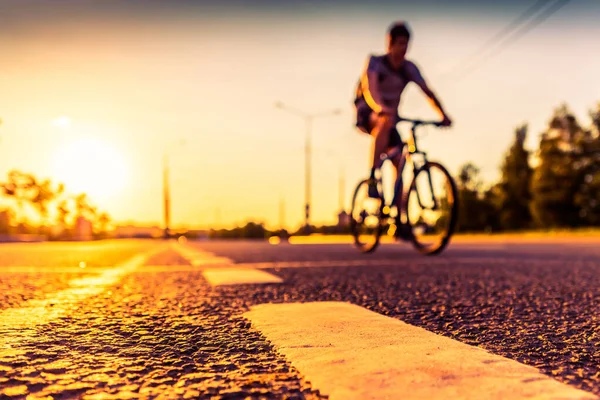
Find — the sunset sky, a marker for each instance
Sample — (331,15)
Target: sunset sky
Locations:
(117,83)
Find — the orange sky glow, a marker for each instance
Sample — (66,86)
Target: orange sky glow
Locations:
(95,100)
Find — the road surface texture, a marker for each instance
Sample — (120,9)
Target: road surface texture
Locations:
(141,319)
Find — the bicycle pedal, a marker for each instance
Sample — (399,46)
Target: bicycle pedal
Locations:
(404,232)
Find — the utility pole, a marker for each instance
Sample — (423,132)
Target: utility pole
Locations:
(342,189)
(281,213)
(166,197)
(308,118)
(167,191)
(218,216)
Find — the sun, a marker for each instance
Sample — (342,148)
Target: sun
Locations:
(92,167)
(62,122)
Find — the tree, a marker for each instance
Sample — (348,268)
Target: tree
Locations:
(26,193)
(595,116)
(557,179)
(587,194)
(35,204)
(513,190)
(103,222)
(468,177)
(476,211)
(553,183)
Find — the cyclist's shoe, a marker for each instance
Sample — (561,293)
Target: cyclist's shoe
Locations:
(373,192)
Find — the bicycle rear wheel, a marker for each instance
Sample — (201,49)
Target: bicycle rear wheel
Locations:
(366,218)
(431,208)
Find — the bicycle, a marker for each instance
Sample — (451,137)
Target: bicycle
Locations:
(422,194)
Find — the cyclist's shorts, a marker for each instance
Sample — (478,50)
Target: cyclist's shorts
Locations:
(363,122)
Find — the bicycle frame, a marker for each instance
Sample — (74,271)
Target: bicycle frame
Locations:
(411,151)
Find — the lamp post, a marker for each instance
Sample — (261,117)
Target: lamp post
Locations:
(167,192)
(308,119)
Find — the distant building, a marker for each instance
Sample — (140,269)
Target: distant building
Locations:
(196,233)
(57,230)
(4,221)
(83,229)
(343,219)
(132,231)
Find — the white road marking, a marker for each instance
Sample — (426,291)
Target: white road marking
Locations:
(19,323)
(238,276)
(367,262)
(532,237)
(349,352)
(32,269)
(384,262)
(328,263)
(35,312)
(317,239)
(200,258)
(226,273)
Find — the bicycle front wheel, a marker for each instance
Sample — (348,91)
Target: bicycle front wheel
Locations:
(366,218)
(431,208)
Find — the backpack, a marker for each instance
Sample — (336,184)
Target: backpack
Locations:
(403,72)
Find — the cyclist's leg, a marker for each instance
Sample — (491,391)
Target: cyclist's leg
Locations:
(399,161)
(377,126)
(381,132)
(369,122)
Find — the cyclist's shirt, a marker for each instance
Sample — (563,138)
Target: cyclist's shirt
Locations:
(392,82)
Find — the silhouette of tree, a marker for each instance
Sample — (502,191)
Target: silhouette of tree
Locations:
(476,211)
(513,190)
(595,116)
(51,204)
(103,222)
(468,177)
(63,211)
(587,195)
(554,181)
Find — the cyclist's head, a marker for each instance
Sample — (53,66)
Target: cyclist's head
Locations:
(398,37)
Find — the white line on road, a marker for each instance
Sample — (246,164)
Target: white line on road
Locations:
(225,273)
(370,262)
(349,352)
(200,258)
(19,323)
(35,312)
(396,262)
(383,262)
(238,276)
(33,269)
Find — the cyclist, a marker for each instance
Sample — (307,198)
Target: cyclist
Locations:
(378,96)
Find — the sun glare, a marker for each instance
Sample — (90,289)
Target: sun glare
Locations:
(62,122)
(92,167)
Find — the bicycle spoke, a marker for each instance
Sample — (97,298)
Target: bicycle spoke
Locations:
(431,208)
(366,218)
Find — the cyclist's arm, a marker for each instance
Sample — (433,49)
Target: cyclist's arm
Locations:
(435,102)
(370,86)
(417,78)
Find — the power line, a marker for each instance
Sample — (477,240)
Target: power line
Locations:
(538,20)
(532,24)
(510,27)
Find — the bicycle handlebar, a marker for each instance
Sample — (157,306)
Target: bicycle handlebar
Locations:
(417,122)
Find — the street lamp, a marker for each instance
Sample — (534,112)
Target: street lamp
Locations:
(166,191)
(308,118)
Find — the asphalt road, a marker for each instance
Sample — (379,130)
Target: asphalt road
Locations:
(160,328)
